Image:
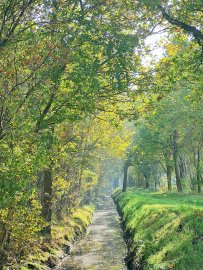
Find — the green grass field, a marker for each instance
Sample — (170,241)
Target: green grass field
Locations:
(166,230)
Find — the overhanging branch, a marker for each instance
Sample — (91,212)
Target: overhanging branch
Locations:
(197,34)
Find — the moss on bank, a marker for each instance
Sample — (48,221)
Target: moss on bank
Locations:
(48,254)
(164,231)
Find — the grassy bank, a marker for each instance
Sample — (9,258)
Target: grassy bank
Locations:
(47,254)
(165,231)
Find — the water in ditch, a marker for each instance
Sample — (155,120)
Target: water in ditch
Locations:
(103,247)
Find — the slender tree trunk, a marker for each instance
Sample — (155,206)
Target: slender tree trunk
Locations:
(169,172)
(130,181)
(182,167)
(155,184)
(175,159)
(169,168)
(61,205)
(146,177)
(88,197)
(192,181)
(80,181)
(140,180)
(199,184)
(47,185)
(3,240)
(2,259)
(125,178)
(47,200)
(4,235)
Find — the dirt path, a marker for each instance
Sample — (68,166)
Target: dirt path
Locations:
(103,247)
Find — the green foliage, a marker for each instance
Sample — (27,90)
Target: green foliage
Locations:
(179,111)
(70,77)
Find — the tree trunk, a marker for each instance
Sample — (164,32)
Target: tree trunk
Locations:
(80,181)
(88,197)
(198,172)
(140,180)
(146,177)
(169,168)
(3,240)
(4,235)
(168,173)
(2,259)
(175,159)
(182,168)
(130,181)
(47,200)
(125,178)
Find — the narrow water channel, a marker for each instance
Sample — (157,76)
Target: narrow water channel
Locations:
(103,247)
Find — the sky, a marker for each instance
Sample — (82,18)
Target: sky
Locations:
(157,50)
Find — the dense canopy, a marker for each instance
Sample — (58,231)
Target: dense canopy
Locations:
(87,103)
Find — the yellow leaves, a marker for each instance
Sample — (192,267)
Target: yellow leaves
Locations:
(110,136)
(61,185)
(17,150)
(71,146)
(89,180)
(172,49)
(23,221)
(4,147)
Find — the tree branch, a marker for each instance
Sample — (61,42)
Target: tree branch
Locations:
(45,111)
(197,34)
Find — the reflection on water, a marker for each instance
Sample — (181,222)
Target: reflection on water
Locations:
(103,247)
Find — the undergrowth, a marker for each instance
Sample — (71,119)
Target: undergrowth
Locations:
(165,230)
(49,253)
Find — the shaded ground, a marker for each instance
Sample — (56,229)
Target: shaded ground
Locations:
(103,247)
